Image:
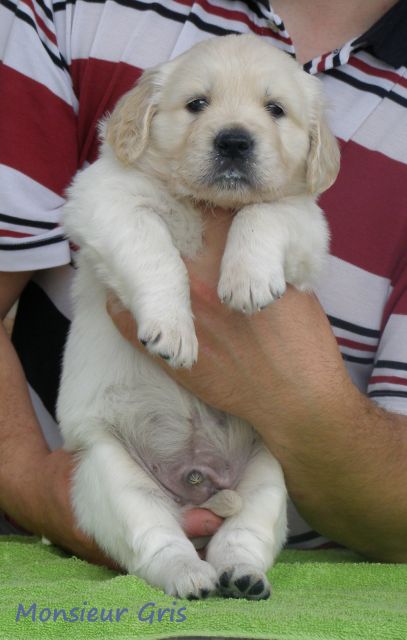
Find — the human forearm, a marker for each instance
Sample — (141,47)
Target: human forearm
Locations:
(346,471)
(23,448)
(281,370)
(343,457)
(35,483)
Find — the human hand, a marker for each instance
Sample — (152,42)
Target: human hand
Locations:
(277,366)
(57,520)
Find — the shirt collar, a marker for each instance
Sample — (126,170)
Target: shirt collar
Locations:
(387,39)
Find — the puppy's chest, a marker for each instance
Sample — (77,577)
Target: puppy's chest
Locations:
(184,222)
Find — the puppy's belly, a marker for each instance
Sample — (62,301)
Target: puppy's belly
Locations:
(194,477)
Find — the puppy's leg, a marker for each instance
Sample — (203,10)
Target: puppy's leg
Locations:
(247,544)
(118,504)
(271,244)
(130,248)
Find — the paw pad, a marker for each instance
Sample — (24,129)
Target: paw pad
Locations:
(243,582)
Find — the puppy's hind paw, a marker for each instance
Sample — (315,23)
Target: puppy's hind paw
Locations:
(194,580)
(174,341)
(243,581)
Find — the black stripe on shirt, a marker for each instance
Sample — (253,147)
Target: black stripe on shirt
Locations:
(45,9)
(209,28)
(388,392)
(356,360)
(308,66)
(173,15)
(353,328)
(391,364)
(160,9)
(25,222)
(367,86)
(164,12)
(396,97)
(61,6)
(32,245)
(336,60)
(59,61)
(39,336)
(254,5)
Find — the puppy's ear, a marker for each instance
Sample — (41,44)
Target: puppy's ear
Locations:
(128,128)
(323,156)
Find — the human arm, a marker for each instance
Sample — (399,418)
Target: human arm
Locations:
(280,369)
(35,482)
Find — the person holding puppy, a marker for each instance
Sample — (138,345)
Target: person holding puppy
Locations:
(302,369)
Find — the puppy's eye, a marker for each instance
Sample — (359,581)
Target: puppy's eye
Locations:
(275,109)
(196,105)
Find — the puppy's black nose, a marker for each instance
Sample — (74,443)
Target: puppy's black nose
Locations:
(234,143)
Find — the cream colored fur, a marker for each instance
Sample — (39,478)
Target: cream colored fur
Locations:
(134,213)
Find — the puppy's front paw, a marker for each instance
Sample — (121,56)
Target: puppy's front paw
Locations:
(304,270)
(250,289)
(172,339)
(193,580)
(243,581)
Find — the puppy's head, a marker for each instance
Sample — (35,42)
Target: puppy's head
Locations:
(232,121)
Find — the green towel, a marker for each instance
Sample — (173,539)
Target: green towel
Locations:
(318,595)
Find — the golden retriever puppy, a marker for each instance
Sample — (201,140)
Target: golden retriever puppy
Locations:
(234,123)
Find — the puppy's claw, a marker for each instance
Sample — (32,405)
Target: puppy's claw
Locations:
(248,291)
(175,341)
(276,294)
(193,580)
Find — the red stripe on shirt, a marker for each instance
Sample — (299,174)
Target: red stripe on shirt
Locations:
(239,16)
(378,73)
(360,346)
(41,24)
(6,233)
(99,84)
(389,379)
(40,139)
(372,189)
(321,63)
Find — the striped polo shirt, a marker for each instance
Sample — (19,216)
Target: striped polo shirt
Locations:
(65,64)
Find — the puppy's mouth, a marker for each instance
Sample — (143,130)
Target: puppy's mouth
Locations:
(230,175)
(232,161)
(233,177)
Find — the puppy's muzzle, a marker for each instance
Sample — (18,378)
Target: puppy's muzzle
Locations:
(233,159)
(234,144)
